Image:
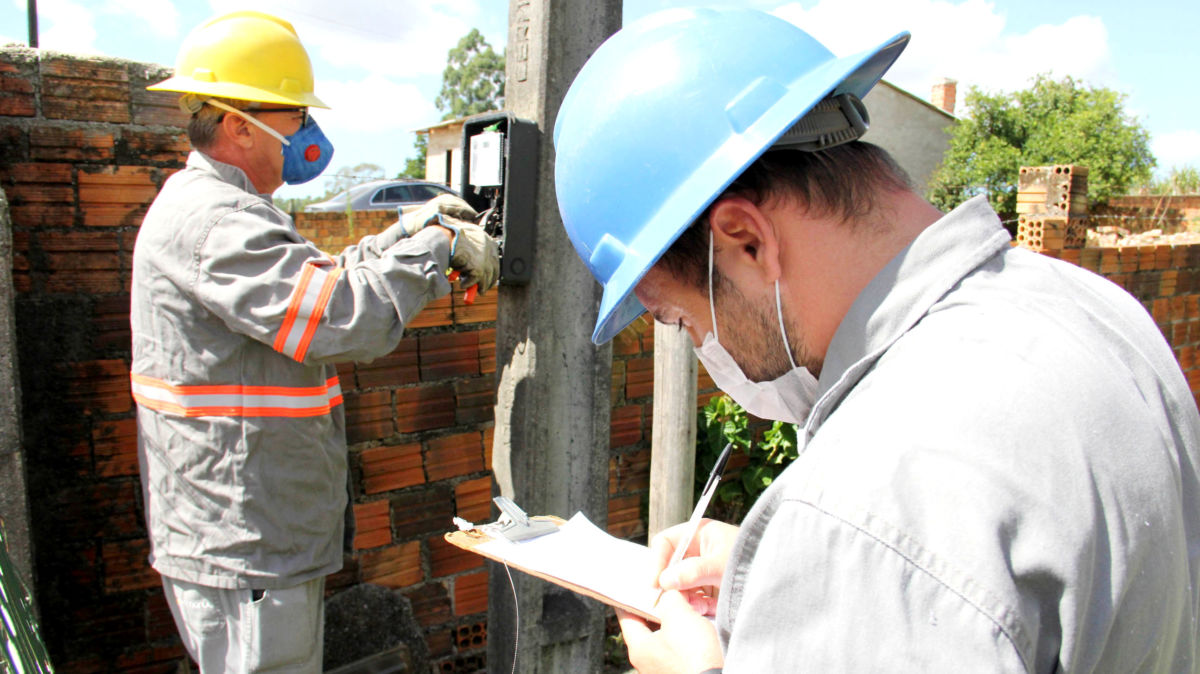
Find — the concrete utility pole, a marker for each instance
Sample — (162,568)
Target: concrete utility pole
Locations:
(673,435)
(552,402)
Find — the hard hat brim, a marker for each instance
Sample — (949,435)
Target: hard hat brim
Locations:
(855,74)
(241,92)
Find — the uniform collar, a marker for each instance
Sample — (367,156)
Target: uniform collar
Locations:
(903,291)
(227,173)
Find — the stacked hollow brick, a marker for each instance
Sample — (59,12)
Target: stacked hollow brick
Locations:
(1052,207)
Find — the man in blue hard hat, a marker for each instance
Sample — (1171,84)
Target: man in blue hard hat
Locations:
(998,463)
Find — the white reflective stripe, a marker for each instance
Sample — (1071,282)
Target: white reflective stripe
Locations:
(235,400)
(305,310)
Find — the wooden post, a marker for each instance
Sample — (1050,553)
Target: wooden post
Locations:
(673,440)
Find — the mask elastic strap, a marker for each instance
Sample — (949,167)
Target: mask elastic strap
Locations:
(787,346)
(711,306)
(229,108)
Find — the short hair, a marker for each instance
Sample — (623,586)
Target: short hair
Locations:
(202,129)
(845,181)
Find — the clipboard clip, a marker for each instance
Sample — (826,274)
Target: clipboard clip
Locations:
(515,525)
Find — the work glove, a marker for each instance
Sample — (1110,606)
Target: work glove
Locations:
(474,254)
(414,218)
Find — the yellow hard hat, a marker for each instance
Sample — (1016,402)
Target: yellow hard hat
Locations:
(249,56)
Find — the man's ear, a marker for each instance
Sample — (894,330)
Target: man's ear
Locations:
(745,238)
(237,130)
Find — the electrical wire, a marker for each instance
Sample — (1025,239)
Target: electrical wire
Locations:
(516,618)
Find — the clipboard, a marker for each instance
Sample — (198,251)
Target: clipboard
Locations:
(489,541)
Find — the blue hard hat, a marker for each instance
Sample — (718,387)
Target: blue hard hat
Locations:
(666,114)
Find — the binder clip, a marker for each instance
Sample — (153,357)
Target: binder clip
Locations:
(515,525)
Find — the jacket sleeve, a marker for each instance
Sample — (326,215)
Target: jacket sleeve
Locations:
(265,281)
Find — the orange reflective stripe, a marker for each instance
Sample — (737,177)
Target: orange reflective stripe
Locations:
(289,319)
(236,400)
(317,312)
(305,309)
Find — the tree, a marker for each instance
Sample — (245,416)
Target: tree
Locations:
(1181,180)
(415,166)
(1052,122)
(344,179)
(473,81)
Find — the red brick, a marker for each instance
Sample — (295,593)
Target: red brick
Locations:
(625,516)
(158,108)
(471,637)
(372,524)
(37,172)
(473,499)
(422,512)
(454,455)
(625,426)
(59,144)
(97,385)
(115,444)
(628,342)
(111,112)
(437,312)
(170,147)
(629,472)
(368,416)
(43,215)
(395,369)
(476,400)
(110,319)
(397,566)
(639,378)
(16,95)
(127,568)
(451,354)
(391,467)
(425,407)
(487,351)
(430,605)
(489,440)
(101,509)
(471,593)
(447,559)
(482,310)
(75,67)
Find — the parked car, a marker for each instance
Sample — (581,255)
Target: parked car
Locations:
(381,195)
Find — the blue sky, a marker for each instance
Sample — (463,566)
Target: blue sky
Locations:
(378,64)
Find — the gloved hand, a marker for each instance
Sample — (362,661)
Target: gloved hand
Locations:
(474,254)
(414,218)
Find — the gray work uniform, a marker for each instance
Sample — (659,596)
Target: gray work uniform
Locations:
(1000,476)
(237,321)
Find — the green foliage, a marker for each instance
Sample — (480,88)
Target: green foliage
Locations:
(415,167)
(722,421)
(1182,180)
(473,81)
(1052,122)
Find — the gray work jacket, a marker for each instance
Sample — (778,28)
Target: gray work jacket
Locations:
(1000,476)
(237,321)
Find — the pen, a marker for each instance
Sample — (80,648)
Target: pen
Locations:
(710,488)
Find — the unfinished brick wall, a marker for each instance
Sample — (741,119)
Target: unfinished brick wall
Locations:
(83,151)
(1164,277)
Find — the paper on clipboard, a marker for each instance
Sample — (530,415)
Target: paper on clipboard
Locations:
(580,557)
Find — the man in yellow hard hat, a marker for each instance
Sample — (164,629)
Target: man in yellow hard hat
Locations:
(237,323)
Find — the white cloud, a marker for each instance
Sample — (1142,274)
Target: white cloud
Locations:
(160,16)
(373,104)
(400,38)
(66,26)
(1177,149)
(965,41)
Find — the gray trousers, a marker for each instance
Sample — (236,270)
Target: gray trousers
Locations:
(250,630)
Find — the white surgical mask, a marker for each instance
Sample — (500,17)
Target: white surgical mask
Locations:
(786,398)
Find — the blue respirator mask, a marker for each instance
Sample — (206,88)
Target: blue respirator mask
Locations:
(306,153)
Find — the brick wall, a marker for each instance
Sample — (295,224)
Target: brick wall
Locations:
(1164,277)
(83,151)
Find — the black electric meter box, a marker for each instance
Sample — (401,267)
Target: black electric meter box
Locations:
(499,180)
